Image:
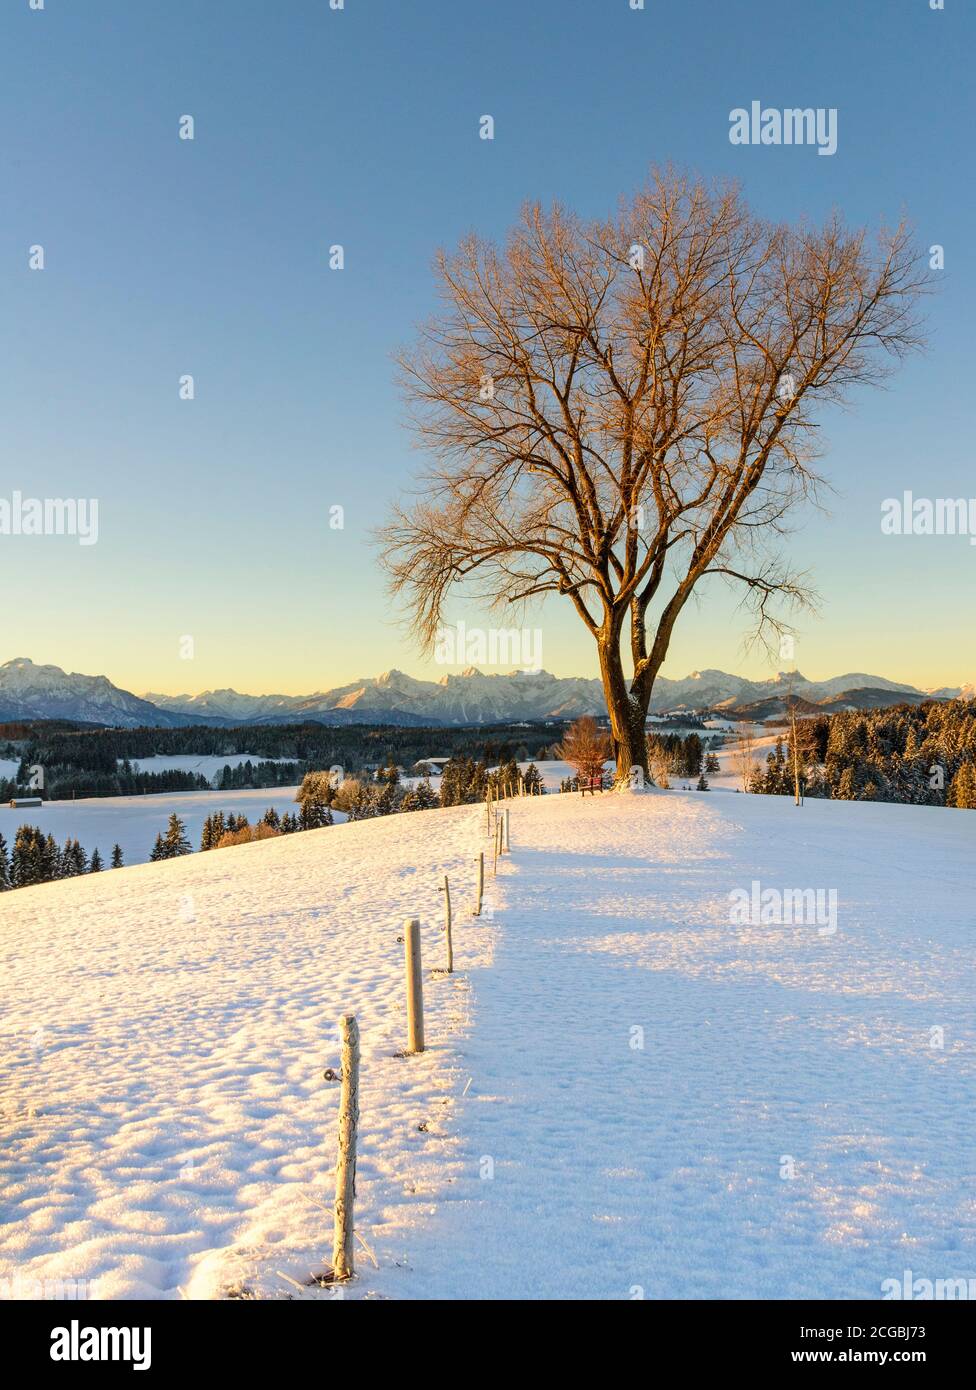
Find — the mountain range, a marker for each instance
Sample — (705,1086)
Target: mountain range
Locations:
(28,691)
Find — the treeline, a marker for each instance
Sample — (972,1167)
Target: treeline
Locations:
(263,774)
(98,762)
(37,858)
(64,783)
(922,755)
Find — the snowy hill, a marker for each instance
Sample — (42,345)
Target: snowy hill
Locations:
(624,1089)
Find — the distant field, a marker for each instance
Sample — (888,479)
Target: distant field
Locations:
(134,821)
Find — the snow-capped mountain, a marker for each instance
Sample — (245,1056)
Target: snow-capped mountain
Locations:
(46,692)
(472,697)
(468,697)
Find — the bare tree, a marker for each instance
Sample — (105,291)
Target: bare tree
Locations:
(743,757)
(585,748)
(618,411)
(801,743)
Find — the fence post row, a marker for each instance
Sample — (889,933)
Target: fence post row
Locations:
(343,1257)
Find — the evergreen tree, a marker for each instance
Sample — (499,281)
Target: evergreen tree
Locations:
(5,883)
(389,798)
(175,840)
(532,779)
(96,862)
(962,790)
(846,789)
(425,798)
(313,815)
(213,829)
(158,851)
(77,858)
(50,858)
(116,856)
(25,862)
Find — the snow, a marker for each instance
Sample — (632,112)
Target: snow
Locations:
(99,822)
(167,1126)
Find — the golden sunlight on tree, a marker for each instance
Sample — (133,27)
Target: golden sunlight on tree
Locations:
(623,411)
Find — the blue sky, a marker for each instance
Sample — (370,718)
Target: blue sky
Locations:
(360,127)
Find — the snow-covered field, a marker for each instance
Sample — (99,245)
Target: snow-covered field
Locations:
(99,822)
(625,1093)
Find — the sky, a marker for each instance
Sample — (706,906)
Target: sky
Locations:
(359,126)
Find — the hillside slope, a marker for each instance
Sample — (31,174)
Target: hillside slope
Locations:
(167,1126)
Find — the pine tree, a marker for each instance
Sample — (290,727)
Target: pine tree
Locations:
(158,851)
(313,815)
(96,862)
(962,789)
(532,781)
(5,882)
(389,798)
(213,829)
(48,857)
(846,789)
(175,840)
(702,783)
(74,859)
(25,863)
(116,856)
(425,798)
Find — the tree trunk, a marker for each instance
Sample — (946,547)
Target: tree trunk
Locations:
(627,710)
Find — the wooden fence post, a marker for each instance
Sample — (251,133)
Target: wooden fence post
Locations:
(481,884)
(447,926)
(498,828)
(342,1240)
(508,832)
(415,986)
